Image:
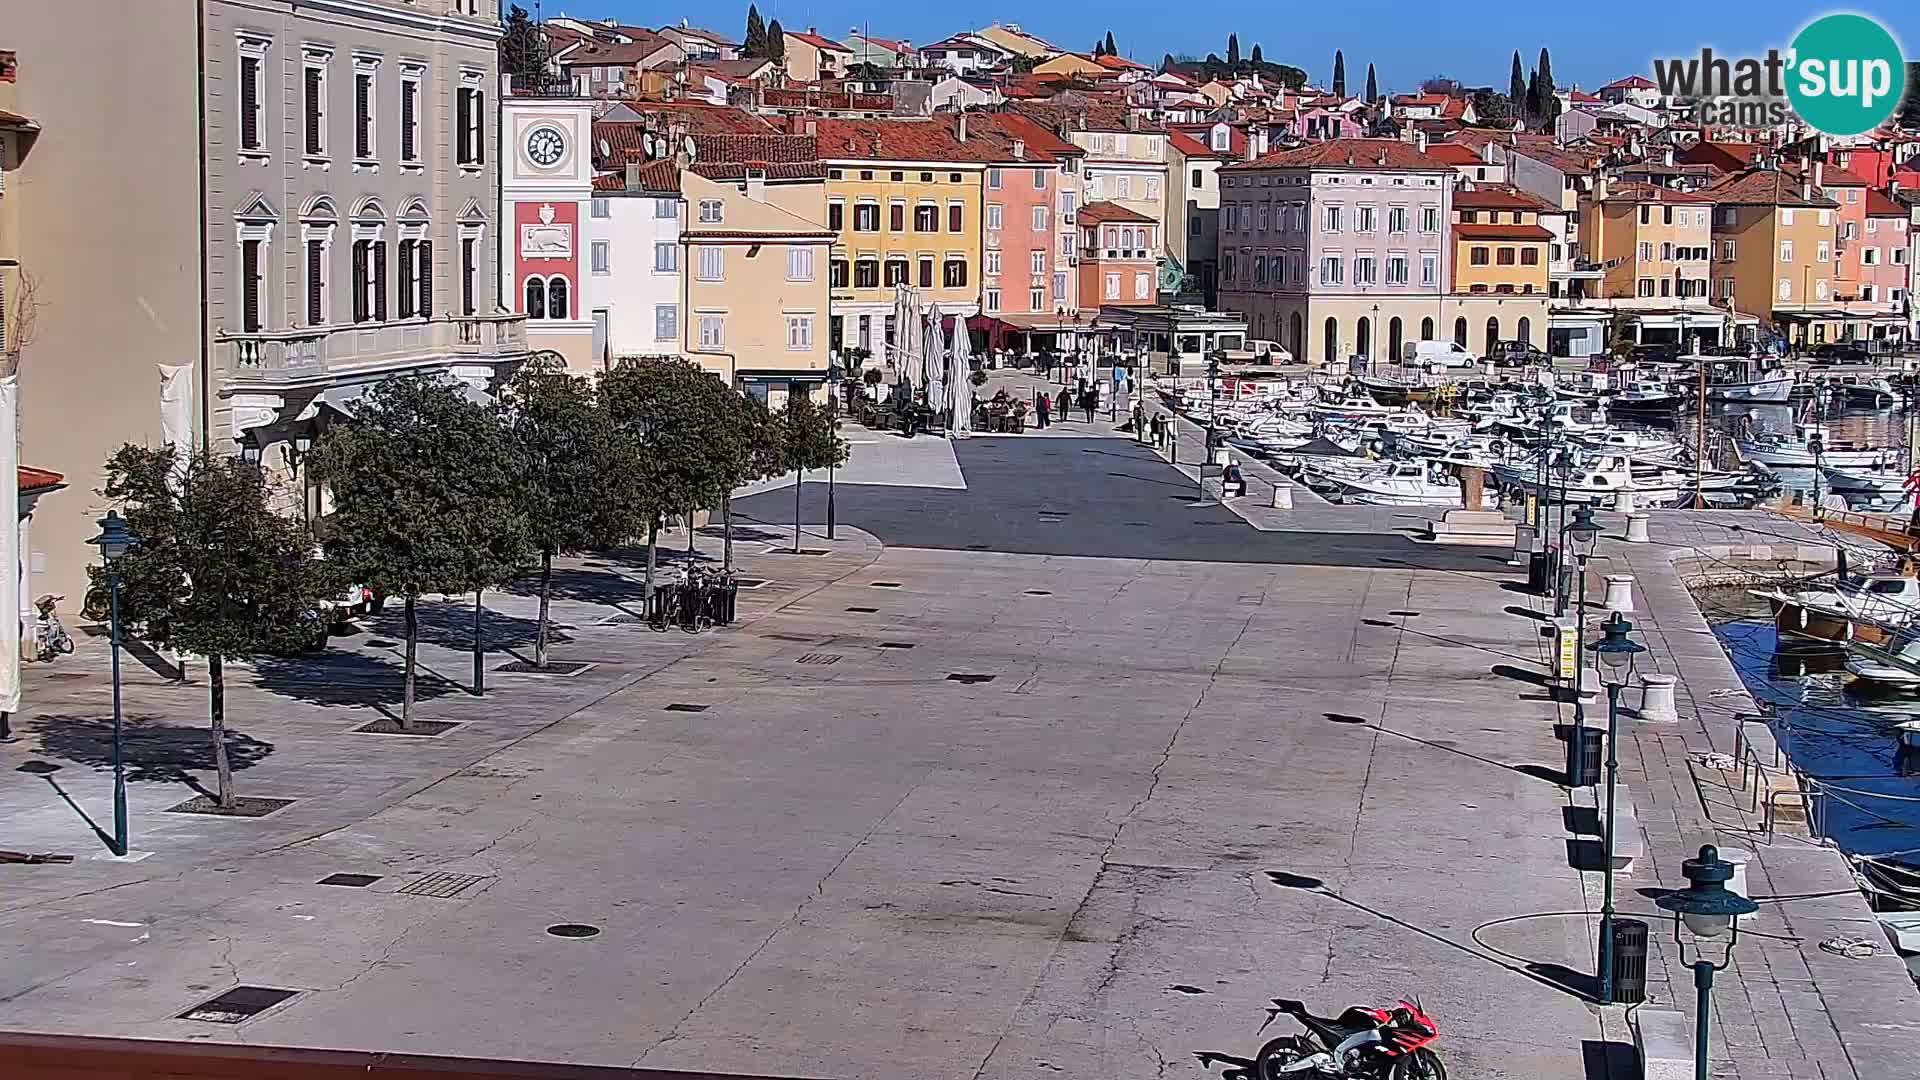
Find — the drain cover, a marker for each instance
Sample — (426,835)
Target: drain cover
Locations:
(896,644)
(886,584)
(681,706)
(963,677)
(351,881)
(572,930)
(864,610)
(1408,614)
(818,658)
(442,884)
(1039,592)
(238,1004)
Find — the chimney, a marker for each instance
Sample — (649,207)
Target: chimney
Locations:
(1133,120)
(1420,139)
(633,176)
(756,184)
(813,128)
(1019,149)
(1600,187)
(963,127)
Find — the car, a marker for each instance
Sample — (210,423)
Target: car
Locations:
(1841,352)
(1444,354)
(1516,354)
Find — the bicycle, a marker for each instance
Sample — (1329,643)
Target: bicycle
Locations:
(50,636)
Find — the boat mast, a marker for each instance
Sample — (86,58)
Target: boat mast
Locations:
(1700,438)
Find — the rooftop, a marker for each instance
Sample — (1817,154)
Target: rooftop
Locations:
(1101,213)
(1369,154)
(1635,193)
(1757,186)
(1479,230)
(1501,197)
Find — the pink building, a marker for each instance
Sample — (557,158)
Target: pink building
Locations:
(1884,266)
(1031,190)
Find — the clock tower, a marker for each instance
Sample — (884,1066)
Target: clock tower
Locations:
(546,180)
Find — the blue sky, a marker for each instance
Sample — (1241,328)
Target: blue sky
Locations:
(1473,41)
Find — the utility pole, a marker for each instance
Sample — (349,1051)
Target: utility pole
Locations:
(1700,439)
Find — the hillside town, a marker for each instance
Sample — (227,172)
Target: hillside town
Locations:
(599,550)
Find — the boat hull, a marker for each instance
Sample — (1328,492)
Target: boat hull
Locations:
(1806,622)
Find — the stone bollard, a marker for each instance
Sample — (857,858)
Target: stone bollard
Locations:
(1738,859)
(1637,529)
(1623,502)
(1523,537)
(1221,459)
(1282,497)
(1619,592)
(1656,699)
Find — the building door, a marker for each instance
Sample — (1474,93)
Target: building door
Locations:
(1525,332)
(1460,331)
(1493,334)
(1296,337)
(600,346)
(1363,337)
(1426,329)
(1394,334)
(1331,343)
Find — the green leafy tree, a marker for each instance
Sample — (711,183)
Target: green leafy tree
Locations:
(427,486)
(1233,49)
(522,47)
(1373,87)
(756,43)
(1111,51)
(810,438)
(776,43)
(215,572)
(1517,82)
(1339,74)
(1488,105)
(1530,109)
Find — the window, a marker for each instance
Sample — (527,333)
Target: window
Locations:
(600,208)
(1429,269)
(897,216)
(1786,288)
(313,104)
(1330,270)
(866,217)
(1873,225)
(894,272)
(1726,251)
(712,212)
(1332,219)
(1645,285)
(1059,285)
(866,274)
(713,263)
(598,251)
(713,331)
(799,333)
(1503,256)
(1143,286)
(1262,213)
(666,322)
(1036,299)
(1866,293)
(1039,219)
(469,270)
(836,216)
(1037,261)
(1726,288)
(1646,248)
(1820,252)
(370,281)
(363,103)
(956,222)
(547,298)
(1112,287)
(1530,256)
(1478,256)
(992,267)
(1367,219)
(1198,179)
(666,209)
(469,108)
(1396,269)
(799,264)
(1153,187)
(410,118)
(1666,252)
(926,272)
(1429,219)
(1066,245)
(837,273)
(926,218)
(253,285)
(993,178)
(1397,219)
(416,279)
(1039,179)
(994,215)
(1786,216)
(1786,251)
(253,95)
(1820,288)
(1259,269)
(316,282)
(1899,256)
(1363,270)
(666,257)
(992,301)
(1894,296)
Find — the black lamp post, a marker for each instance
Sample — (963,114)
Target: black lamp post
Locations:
(1581,534)
(114,541)
(833,424)
(1615,653)
(1709,911)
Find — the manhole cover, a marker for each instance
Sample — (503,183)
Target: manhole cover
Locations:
(442,884)
(886,584)
(555,668)
(572,930)
(423,729)
(964,677)
(242,807)
(681,706)
(896,644)
(818,658)
(351,881)
(864,610)
(238,1004)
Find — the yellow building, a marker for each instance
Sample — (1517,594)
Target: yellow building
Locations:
(1070,64)
(904,205)
(1499,244)
(1773,244)
(1010,37)
(1651,242)
(755,275)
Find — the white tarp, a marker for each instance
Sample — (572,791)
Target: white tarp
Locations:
(960,374)
(933,356)
(10,554)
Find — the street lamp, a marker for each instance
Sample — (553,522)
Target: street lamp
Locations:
(1614,653)
(114,541)
(833,424)
(1708,910)
(1582,532)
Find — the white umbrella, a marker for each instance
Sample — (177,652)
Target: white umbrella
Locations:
(903,317)
(933,357)
(962,378)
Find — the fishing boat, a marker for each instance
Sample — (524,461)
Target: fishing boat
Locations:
(1869,610)
(1797,450)
(1885,480)
(1404,483)
(1647,397)
(1744,379)
(1641,445)
(1893,666)
(1349,406)
(1594,482)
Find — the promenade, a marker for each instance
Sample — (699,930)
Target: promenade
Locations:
(1040,769)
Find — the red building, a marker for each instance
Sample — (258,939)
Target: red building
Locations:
(1117,263)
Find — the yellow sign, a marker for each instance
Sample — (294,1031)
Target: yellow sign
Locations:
(1567,657)
(1533,509)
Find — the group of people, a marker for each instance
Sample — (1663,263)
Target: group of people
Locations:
(1048,408)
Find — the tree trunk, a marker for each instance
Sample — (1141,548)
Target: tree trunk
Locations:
(797,474)
(479,651)
(726,531)
(546,592)
(689,538)
(222,768)
(413,641)
(653,536)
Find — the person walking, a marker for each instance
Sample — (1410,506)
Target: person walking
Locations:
(1088,402)
(1041,408)
(1064,406)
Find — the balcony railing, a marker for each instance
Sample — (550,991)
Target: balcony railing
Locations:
(313,353)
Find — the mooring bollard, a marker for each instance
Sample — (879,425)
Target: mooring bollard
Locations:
(1523,538)
(1656,699)
(1623,502)
(1619,592)
(1637,529)
(1282,497)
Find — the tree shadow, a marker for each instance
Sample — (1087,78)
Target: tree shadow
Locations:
(1515,609)
(1532,678)
(449,625)
(153,751)
(349,679)
(583,585)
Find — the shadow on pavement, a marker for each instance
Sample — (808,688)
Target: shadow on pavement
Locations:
(344,678)
(588,586)
(449,625)
(1610,1060)
(154,751)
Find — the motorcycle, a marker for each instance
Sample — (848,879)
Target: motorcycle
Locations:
(1373,1044)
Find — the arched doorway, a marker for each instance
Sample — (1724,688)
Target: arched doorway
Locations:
(1493,334)
(1460,331)
(1525,331)
(1331,343)
(1296,336)
(1426,329)
(1363,337)
(1394,335)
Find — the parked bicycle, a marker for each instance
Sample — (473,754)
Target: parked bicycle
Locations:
(50,636)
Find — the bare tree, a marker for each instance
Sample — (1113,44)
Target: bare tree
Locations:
(19,317)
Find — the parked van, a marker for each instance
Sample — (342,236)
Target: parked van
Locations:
(1444,353)
(1258,351)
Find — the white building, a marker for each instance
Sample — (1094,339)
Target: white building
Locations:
(632,290)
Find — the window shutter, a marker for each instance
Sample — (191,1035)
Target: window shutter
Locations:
(466,276)
(250,286)
(380,281)
(362,117)
(426,279)
(360,280)
(479,127)
(406,277)
(313,110)
(249,102)
(463,123)
(315,266)
(409,106)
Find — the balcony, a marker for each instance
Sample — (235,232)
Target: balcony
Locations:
(312,355)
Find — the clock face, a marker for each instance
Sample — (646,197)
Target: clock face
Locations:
(545,146)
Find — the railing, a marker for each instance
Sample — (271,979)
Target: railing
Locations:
(307,353)
(280,351)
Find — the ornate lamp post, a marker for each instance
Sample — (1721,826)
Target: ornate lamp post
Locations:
(1615,653)
(834,375)
(1709,911)
(1582,532)
(114,541)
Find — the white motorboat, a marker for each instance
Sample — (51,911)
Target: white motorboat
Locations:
(1796,451)
(1883,481)
(1594,482)
(1895,666)
(1640,445)
(1404,483)
(1350,406)
(1869,391)
(1743,379)
(1647,396)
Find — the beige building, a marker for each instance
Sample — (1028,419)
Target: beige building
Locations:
(1650,242)
(330,222)
(755,275)
(811,56)
(1773,239)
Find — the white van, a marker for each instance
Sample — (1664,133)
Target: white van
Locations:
(1257,351)
(1444,353)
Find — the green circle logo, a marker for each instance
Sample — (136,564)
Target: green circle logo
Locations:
(1845,74)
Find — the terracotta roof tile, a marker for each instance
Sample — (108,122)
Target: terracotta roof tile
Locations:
(32,479)
(1879,205)
(1631,82)
(1653,193)
(818,42)
(1452,153)
(1763,187)
(1477,230)
(1087,112)
(1100,213)
(933,139)
(656,177)
(1372,154)
(1501,197)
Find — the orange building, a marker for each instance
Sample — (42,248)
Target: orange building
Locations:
(1117,256)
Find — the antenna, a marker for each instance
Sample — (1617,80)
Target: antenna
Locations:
(606,150)
(690,149)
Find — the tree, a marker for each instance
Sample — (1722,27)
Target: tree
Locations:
(1167,62)
(776,43)
(522,47)
(807,433)
(1339,74)
(1488,105)
(756,43)
(1517,83)
(1111,51)
(216,571)
(1373,87)
(1549,109)
(1440,84)
(1257,61)
(1233,49)
(572,496)
(1530,108)
(426,488)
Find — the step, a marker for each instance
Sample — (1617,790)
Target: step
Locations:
(1665,1040)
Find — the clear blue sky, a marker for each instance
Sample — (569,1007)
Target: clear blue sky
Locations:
(1473,41)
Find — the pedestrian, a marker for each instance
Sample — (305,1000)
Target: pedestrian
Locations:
(1088,402)
(1064,407)
(1139,423)
(1040,408)
(1156,429)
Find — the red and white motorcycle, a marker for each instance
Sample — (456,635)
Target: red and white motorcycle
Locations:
(1366,1043)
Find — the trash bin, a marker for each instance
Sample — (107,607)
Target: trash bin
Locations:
(1539,572)
(1587,746)
(1629,961)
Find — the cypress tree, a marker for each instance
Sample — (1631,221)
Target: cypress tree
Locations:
(1517,84)
(756,43)
(1339,74)
(776,42)
(1373,88)
(1233,49)
(1257,61)
(1111,51)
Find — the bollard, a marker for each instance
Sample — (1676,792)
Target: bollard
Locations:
(1619,592)
(1623,502)
(1522,545)
(1738,859)
(1221,459)
(1636,528)
(1282,497)
(1656,699)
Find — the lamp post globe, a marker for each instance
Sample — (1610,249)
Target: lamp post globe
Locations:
(1584,532)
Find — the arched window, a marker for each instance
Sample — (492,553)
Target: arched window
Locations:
(557,298)
(536,298)
(1426,329)
(1394,334)
(1363,337)
(1493,333)
(1296,337)
(1331,345)
(1460,331)
(1525,332)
